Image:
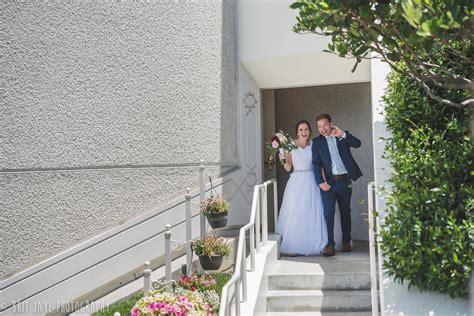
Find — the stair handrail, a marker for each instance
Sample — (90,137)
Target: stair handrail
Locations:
(265,208)
(238,273)
(376,271)
(239,278)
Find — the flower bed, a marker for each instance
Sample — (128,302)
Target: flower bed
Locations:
(178,303)
(207,289)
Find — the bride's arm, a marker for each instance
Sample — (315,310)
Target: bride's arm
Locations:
(287,165)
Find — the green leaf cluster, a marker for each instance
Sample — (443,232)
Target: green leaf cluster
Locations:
(396,30)
(356,25)
(428,234)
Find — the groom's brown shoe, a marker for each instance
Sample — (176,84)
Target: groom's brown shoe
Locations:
(346,247)
(329,251)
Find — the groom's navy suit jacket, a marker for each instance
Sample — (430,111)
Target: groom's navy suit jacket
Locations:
(322,157)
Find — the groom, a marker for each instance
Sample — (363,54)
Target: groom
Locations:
(334,170)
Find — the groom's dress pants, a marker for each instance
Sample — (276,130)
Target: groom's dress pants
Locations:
(341,191)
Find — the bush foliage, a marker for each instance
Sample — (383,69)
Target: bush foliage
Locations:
(428,234)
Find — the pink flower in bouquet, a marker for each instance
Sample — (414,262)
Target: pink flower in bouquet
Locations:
(281,137)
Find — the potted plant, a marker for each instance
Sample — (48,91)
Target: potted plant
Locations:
(211,251)
(216,210)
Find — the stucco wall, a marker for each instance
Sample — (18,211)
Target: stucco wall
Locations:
(107,109)
(350,108)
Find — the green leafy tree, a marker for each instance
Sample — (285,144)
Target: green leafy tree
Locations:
(399,30)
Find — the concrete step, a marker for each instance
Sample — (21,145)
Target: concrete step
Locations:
(317,300)
(348,281)
(294,275)
(319,313)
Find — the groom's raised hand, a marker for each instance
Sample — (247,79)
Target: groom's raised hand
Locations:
(336,131)
(325,186)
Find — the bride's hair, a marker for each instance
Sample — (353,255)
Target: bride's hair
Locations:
(298,125)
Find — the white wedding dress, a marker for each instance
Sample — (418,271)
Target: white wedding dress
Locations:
(301,221)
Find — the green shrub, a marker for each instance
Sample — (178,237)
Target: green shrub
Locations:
(428,234)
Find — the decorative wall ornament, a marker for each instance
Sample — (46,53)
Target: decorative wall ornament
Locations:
(251,179)
(250,102)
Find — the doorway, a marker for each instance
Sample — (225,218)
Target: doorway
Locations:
(350,108)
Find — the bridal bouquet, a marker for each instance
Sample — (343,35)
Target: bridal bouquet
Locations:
(279,143)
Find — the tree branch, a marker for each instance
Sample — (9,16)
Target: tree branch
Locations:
(428,90)
(455,81)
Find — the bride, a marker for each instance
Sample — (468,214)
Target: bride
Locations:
(301,221)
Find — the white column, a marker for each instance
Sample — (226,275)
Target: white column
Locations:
(168,257)
(147,279)
(264,216)
(202,197)
(189,237)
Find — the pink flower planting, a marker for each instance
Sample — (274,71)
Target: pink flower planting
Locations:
(171,304)
(197,283)
(194,295)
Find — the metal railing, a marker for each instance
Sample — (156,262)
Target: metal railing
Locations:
(258,234)
(175,244)
(375,253)
(239,278)
(171,244)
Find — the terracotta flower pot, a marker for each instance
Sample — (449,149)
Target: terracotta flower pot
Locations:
(210,262)
(217,220)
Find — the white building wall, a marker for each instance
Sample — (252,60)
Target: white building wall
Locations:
(106,110)
(276,57)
